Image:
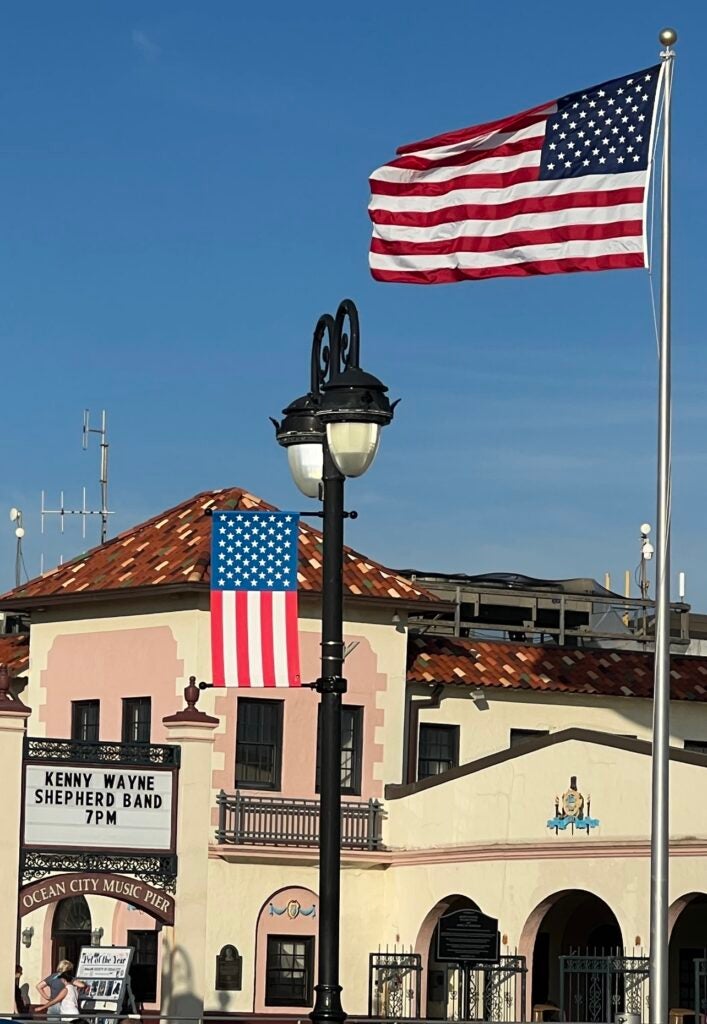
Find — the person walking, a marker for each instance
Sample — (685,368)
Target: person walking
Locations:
(66,999)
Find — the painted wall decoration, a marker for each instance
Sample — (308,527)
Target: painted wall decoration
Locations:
(293,909)
(572,811)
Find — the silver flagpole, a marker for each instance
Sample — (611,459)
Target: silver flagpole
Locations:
(660,792)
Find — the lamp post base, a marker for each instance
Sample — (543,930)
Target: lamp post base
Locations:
(327,1005)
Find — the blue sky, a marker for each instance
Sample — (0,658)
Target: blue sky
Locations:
(184,191)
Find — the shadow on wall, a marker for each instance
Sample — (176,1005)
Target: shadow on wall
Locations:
(178,986)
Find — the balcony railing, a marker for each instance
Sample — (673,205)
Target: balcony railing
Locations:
(279,821)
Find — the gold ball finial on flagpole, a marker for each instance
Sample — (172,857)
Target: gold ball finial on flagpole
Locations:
(668,36)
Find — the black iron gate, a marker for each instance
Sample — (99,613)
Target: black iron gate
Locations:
(597,988)
(394,985)
(700,967)
(488,992)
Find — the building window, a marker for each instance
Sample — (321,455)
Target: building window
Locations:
(696,746)
(85,716)
(288,980)
(137,715)
(351,749)
(438,749)
(143,970)
(521,735)
(258,744)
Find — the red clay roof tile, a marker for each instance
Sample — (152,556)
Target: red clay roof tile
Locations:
(173,548)
(14,652)
(463,662)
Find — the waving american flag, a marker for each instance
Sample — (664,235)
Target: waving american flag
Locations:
(561,187)
(254,636)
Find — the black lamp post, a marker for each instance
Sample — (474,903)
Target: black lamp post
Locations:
(331,433)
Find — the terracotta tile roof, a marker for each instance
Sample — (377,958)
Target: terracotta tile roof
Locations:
(489,663)
(173,548)
(14,652)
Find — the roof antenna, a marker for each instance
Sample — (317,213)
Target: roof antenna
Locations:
(84,512)
(16,518)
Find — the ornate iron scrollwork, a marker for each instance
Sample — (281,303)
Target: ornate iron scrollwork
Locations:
(159,870)
(161,755)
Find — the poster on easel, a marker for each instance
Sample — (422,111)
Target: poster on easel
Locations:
(105,970)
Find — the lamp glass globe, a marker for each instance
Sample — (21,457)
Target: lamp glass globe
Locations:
(353,445)
(306,462)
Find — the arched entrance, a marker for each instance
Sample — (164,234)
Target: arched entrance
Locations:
(688,953)
(71,929)
(480,990)
(571,923)
(447,986)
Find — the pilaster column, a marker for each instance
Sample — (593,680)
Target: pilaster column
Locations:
(13,715)
(184,964)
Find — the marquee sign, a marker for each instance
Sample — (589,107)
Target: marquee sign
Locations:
(99,808)
(96,807)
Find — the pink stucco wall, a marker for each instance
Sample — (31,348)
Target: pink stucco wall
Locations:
(300,721)
(108,666)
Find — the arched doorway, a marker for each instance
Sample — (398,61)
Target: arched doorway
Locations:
(688,953)
(71,929)
(571,923)
(447,986)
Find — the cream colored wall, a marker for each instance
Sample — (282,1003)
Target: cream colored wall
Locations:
(486,731)
(511,802)
(238,893)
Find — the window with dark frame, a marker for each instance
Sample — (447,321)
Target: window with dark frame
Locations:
(143,969)
(521,735)
(85,720)
(289,970)
(351,749)
(258,743)
(438,749)
(137,719)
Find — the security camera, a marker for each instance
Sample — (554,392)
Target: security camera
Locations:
(647,550)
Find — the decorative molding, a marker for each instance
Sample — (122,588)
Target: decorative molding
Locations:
(538,850)
(158,870)
(51,750)
(570,811)
(293,909)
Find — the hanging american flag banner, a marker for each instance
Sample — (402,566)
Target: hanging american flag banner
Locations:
(254,637)
(561,187)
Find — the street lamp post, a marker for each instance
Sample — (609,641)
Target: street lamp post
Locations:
(332,433)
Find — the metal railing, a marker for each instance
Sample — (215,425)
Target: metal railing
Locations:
(280,821)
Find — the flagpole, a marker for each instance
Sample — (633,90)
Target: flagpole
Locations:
(660,761)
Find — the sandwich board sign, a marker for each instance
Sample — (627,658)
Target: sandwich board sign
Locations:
(105,970)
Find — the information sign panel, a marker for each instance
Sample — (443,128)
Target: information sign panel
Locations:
(104,969)
(468,936)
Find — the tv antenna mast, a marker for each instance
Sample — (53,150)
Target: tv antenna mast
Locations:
(85,512)
(16,517)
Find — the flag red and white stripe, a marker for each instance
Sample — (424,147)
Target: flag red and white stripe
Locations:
(254,627)
(254,639)
(492,200)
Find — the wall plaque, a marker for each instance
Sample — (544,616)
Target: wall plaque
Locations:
(468,936)
(229,970)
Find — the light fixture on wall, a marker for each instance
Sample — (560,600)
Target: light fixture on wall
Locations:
(479,699)
(27,934)
(96,936)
